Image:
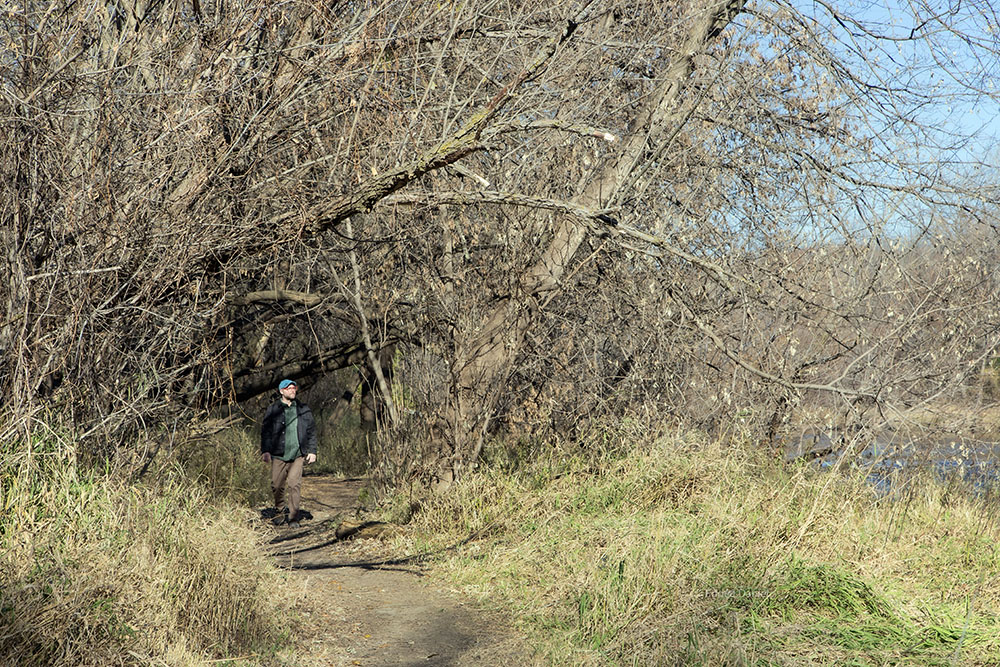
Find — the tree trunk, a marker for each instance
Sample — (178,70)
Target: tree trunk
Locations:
(375,387)
(484,362)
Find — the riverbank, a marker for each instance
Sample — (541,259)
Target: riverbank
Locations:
(682,551)
(624,549)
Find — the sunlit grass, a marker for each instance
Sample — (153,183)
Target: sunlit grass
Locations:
(685,551)
(95,571)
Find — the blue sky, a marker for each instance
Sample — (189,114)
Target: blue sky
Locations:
(946,51)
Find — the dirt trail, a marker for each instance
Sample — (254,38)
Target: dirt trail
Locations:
(363,611)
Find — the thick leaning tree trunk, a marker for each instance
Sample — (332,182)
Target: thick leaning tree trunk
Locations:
(483,363)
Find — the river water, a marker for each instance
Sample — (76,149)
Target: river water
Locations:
(890,459)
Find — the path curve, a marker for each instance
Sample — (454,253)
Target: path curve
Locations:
(360,611)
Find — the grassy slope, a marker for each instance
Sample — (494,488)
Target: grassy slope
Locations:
(97,572)
(684,552)
(667,552)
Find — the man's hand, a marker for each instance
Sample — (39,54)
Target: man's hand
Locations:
(310,459)
(265,457)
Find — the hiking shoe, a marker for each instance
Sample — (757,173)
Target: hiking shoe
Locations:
(293,524)
(271,512)
(280,520)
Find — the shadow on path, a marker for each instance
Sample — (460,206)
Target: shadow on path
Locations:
(361,607)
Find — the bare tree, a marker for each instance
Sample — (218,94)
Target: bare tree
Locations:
(559,212)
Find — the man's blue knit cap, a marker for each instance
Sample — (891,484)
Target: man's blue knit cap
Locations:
(286,383)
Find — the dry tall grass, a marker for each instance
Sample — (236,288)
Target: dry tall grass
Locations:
(683,551)
(97,572)
(228,463)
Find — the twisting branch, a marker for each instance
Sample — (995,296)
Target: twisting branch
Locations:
(561,125)
(462,143)
(440,198)
(302,298)
(603,221)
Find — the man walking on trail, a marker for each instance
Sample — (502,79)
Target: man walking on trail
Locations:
(287,440)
